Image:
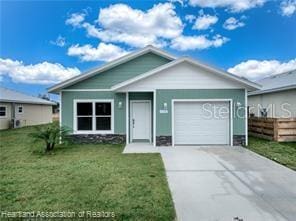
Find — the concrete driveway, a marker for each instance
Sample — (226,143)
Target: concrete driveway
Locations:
(228,183)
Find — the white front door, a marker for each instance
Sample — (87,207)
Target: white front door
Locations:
(140,120)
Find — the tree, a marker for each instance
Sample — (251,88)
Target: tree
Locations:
(50,134)
(44,96)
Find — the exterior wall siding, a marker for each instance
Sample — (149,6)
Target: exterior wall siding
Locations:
(183,76)
(122,72)
(33,114)
(273,102)
(164,122)
(119,113)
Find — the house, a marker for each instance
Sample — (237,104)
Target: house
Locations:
(276,98)
(18,109)
(151,96)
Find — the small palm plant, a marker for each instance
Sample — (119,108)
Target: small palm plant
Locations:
(51,134)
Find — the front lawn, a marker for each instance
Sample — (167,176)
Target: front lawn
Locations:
(78,178)
(283,153)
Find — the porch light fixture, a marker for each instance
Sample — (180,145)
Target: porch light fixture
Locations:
(119,105)
(165,106)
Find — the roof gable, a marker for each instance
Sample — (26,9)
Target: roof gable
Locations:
(227,79)
(154,56)
(121,73)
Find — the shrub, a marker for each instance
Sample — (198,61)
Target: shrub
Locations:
(51,134)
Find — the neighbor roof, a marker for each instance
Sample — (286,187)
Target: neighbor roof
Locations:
(109,65)
(8,95)
(279,82)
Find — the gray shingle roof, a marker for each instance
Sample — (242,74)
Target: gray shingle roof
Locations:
(8,95)
(277,82)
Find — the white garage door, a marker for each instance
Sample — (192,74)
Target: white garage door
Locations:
(201,123)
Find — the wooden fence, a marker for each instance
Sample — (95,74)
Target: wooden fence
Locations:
(278,129)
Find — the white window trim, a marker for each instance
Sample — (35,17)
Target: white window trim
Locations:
(93,131)
(17,107)
(202,100)
(246,118)
(127,117)
(5,116)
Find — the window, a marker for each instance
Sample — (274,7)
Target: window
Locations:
(20,109)
(94,116)
(103,116)
(84,116)
(2,111)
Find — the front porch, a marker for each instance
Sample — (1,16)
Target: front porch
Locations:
(141,148)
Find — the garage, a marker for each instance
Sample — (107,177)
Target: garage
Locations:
(201,122)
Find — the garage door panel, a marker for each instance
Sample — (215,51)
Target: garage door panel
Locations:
(201,123)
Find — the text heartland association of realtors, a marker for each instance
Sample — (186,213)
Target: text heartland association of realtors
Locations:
(57,214)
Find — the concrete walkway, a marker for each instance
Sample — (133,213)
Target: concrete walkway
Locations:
(228,183)
(140,148)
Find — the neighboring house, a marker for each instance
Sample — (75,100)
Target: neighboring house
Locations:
(277,97)
(18,109)
(151,96)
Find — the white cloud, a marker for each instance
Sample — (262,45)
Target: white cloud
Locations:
(159,26)
(190,18)
(135,40)
(232,23)
(104,52)
(120,23)
(161,19)
(199,42)
(233,5)
(203,22)
(60,41)
(75,19)
(41,73)
(288,7)
(254,69)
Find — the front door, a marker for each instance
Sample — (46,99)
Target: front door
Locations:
(140,121)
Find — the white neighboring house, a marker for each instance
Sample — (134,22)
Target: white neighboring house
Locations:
(277,97)
(18,109)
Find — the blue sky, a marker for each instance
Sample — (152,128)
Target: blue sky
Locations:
(45,42)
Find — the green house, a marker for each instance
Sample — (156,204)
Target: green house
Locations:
(151,96)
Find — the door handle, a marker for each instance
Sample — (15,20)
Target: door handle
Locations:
(133,123)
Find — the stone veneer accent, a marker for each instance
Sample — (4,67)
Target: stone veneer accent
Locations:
(163,140)
(239,140)
(121,139)
(98,138)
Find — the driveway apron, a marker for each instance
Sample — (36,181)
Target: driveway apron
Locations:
(228,183)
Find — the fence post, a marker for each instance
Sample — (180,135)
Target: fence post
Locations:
(275,129)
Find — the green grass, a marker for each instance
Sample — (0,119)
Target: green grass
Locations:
(82,178)
(283,153)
